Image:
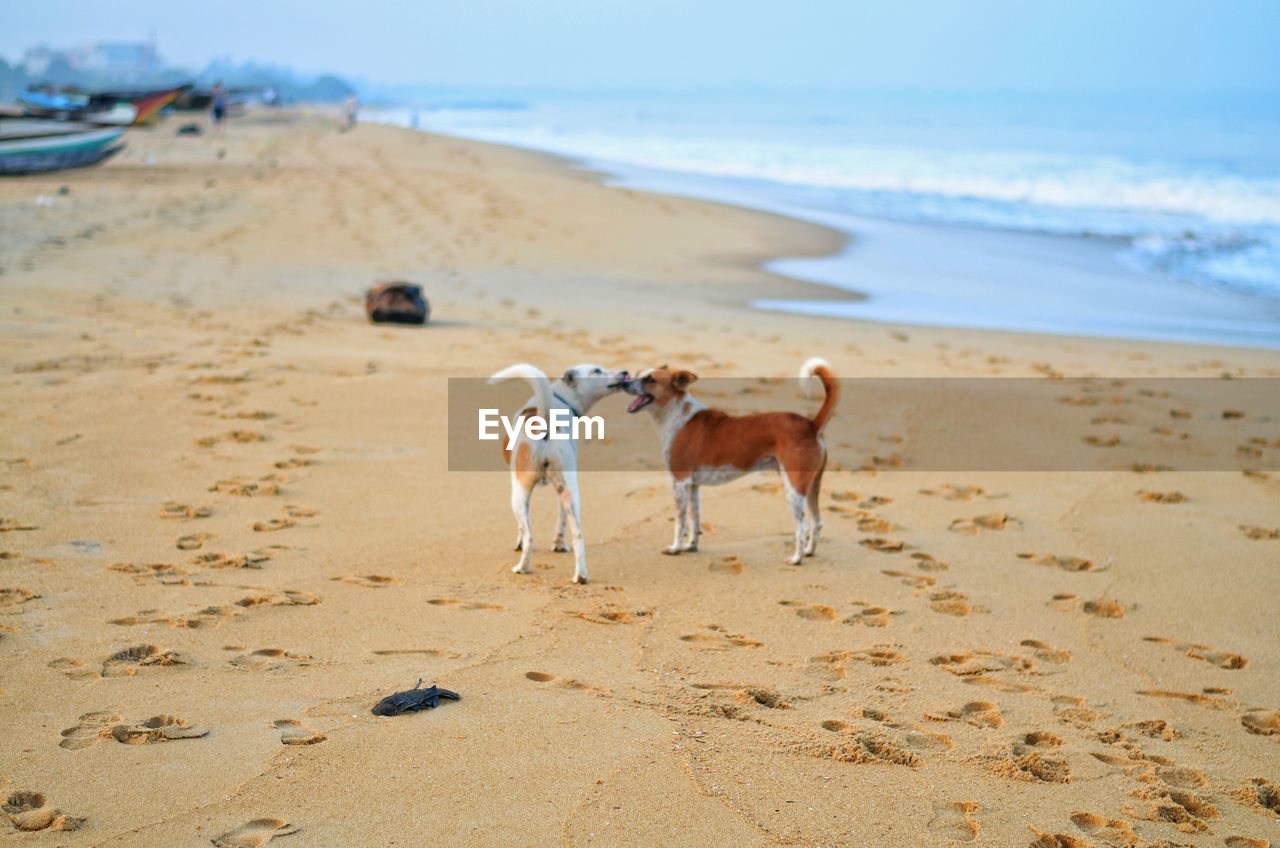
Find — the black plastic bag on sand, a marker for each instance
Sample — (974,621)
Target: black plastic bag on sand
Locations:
(413,700)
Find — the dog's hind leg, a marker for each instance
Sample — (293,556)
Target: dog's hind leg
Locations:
(559,545)
(680,489)
(797,502)
(520,506)
(570,506)
(814,516)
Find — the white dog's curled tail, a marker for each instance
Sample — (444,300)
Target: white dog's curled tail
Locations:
(820,368)
(535,377)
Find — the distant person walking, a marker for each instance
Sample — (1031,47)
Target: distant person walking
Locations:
(352,106)
(218,108)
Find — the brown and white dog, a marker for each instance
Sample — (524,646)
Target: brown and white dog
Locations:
(704,446)
(554,462)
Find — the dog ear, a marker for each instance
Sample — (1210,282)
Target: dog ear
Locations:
(681,380)
(569,377)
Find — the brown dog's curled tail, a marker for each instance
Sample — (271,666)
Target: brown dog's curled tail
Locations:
(820,368)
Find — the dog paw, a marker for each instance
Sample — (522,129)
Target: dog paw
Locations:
(793,560)
(520,568)
(560,548)
(693,548)
(580,578)
(672,550)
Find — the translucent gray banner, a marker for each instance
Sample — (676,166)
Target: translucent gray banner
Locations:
(937,424)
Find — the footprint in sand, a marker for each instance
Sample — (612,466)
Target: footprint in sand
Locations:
(1260,534)
(222,560)
(466,605)
(294,732)
(721,641)
(979,663)
(972,526)
(954,821)
(976,713)
(126,662)
(563,682)
(919,582)
(30,811)
(283,598)
(1260,793)
(1029,766)
(300,511)
(254,834)
(245,488)
(871,617)
(1161,497)
(1222,659)
(1262,722)
(95,727)
(727,565)
(926,562)
(192,542)
(1246,842)
(13,525)
(242,437)
(1066,563)
(1103,608)
(952,492)
(164,573)
(1207,699)
(184,512)
(269,659)
(426,652)
(368,581)
(13,596)
(951,602)
(1045,652)
(884,546)
(1041,739)
(811,612)
(272,525)
(1108,831)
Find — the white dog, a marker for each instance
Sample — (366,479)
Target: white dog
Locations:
(541,461)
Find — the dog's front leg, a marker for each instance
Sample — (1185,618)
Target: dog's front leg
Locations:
(570,506)
(681,491)
(694,528)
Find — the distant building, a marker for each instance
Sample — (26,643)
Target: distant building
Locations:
(116,57)
(38,59)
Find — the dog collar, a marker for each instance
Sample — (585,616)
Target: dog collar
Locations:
(576,413)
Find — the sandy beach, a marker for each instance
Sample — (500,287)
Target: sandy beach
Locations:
(228,529)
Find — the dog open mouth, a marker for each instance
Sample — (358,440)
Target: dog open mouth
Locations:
(640,402)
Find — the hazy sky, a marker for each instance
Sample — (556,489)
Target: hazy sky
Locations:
(1089,45)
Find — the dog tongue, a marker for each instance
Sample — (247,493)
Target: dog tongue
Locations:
(637,403)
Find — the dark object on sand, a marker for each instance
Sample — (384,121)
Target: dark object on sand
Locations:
(189,129)
(412,700)
(396,303)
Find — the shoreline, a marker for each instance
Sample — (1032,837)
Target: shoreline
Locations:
(867,273)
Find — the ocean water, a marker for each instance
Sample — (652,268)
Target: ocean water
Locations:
(1183,188)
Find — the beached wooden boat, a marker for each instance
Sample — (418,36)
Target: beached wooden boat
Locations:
(35,146)
(99,106)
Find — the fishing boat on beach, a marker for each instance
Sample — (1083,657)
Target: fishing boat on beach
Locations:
(32,146)
(122,107)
